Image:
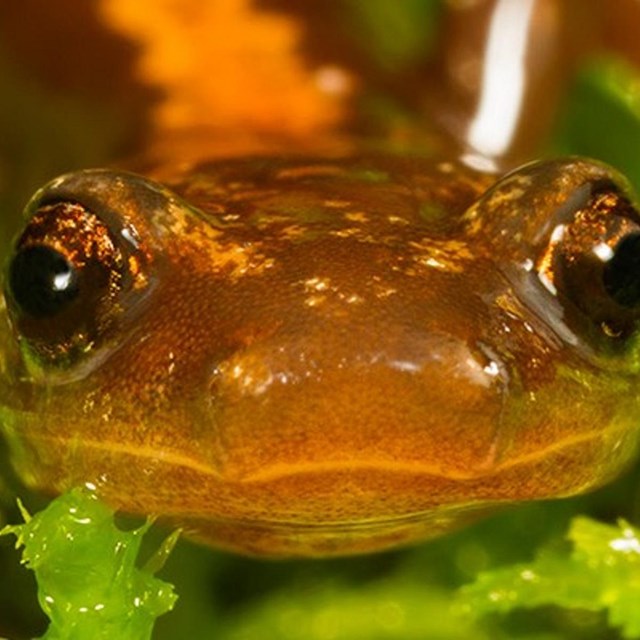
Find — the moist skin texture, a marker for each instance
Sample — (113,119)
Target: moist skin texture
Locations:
(311,357)
(334,348)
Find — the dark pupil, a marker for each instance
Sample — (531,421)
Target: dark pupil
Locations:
(621,275)
(42,281)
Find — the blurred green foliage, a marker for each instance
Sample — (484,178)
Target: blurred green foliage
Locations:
(89,584)
(601,572)
(388,35)
(601,117)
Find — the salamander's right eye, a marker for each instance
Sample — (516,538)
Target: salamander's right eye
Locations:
(65,277)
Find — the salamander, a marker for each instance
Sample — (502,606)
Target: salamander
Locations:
(324,353)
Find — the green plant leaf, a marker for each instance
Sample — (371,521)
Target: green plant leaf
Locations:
(601,572)
(88,582)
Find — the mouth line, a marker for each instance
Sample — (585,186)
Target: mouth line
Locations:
(280,471)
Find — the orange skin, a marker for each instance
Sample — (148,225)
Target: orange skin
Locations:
(291,355)
(282,371)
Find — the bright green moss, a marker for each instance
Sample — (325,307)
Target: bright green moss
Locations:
(88,582)
(602,572)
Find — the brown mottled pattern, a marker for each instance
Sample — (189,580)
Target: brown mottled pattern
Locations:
(332,355)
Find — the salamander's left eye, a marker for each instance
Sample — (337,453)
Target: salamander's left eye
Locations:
(621,273)
(65,281)
(593,260)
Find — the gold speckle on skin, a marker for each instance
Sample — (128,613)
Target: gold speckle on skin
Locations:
(140,277)
(314,300)
(382,290)
(445,167)
(239,185)
(309,171)
(352,232)
(250,191)
(247,375)
(292,232)
(337,204)
(89,404)
(398,220)
(512,189)
(321,290)
(449,255)
(221,254)
(316,288)
(172,363)
(473,219)
(356,216)
(266,221)
(317,284)
(338,386)
(503,196)
(432,262)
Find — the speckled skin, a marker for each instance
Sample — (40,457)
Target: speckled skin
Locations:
(326,356)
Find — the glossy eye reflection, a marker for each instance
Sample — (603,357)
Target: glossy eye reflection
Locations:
(62,282)
(593,262)
(42,281)
(621,275)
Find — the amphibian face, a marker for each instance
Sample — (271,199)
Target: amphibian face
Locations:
(359,344)
(312,356)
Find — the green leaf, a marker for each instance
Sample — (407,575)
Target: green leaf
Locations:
(88,584)
(602,116)
(601,572)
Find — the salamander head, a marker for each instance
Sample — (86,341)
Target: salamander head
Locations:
(324,356)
